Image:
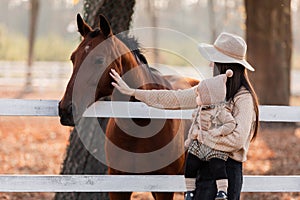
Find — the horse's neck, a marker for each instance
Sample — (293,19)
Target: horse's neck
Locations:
(152,79)
(141,76)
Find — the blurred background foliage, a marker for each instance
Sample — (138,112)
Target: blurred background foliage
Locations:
(57,37)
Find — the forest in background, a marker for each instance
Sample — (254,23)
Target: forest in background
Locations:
(57,35)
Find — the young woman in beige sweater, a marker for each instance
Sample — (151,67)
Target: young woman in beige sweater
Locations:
(227,52)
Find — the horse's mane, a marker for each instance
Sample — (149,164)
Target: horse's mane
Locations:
(132,43)
(135,48)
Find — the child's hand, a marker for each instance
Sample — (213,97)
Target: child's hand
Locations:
(200,138)
(195,132)
(187,143)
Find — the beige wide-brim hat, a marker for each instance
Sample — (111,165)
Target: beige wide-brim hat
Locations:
(228,48)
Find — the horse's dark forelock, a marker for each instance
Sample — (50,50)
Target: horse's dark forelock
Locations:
(95,33)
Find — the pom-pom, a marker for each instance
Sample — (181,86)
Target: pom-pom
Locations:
(229,73)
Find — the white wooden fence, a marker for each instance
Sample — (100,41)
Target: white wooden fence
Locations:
(114,183)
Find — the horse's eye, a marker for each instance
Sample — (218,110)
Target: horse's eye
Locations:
(99,60)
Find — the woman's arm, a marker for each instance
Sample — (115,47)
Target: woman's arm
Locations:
(243,113)
(166,99)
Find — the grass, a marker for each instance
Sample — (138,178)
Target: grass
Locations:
(14,47)
(54,48)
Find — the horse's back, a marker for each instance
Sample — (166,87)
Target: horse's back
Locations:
(180,82)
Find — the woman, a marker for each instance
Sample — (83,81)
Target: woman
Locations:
(228,52)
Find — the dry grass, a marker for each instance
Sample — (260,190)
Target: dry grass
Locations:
(36,145)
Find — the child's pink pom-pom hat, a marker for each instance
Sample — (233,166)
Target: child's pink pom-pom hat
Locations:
(213,90)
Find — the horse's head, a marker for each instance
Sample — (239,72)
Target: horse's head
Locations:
(98,52)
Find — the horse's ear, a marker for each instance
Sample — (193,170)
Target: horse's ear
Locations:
(104,26)
(83,28)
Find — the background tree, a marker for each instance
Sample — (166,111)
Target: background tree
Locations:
(78,159)
(212,20)
(269,40)
(152,14)
(34,9)
(118,12)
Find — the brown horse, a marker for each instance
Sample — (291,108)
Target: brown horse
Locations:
(133,146)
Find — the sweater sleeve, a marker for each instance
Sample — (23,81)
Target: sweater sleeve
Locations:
(243,114)
(228,124)
(168,99)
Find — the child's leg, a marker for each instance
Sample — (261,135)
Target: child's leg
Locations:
(192,164)
(218,169)
(190,171)
(222,185)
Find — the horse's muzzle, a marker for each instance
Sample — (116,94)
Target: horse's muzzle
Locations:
(66,115)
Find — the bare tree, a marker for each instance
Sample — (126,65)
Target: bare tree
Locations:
(34,5)
(269,41)
(152,12)
(118,12)
(212,19)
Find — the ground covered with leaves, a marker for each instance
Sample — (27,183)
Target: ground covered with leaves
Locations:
(36,145)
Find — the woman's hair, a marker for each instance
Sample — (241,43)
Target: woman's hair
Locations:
(233,84)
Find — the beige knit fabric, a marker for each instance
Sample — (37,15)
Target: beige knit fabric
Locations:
(242,110)
(190,184)
(213,90)
(222,123)
(168,99)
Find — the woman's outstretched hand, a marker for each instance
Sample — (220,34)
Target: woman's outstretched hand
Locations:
(120,84)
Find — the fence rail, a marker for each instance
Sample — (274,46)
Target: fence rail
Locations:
(128,183)
(113,183)
(22,107)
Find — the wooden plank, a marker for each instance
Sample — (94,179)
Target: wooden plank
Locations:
(120,109)
(24,107)
(127,183)
(271,184)
(141,110)
(279,113)
(90,183)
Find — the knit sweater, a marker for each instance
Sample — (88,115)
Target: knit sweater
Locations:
(242,108)
(222,123)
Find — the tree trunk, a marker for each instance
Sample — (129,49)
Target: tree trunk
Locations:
(32,33)
(212,20)
(118,13)
(269,40)
(79,160)
(152,14)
